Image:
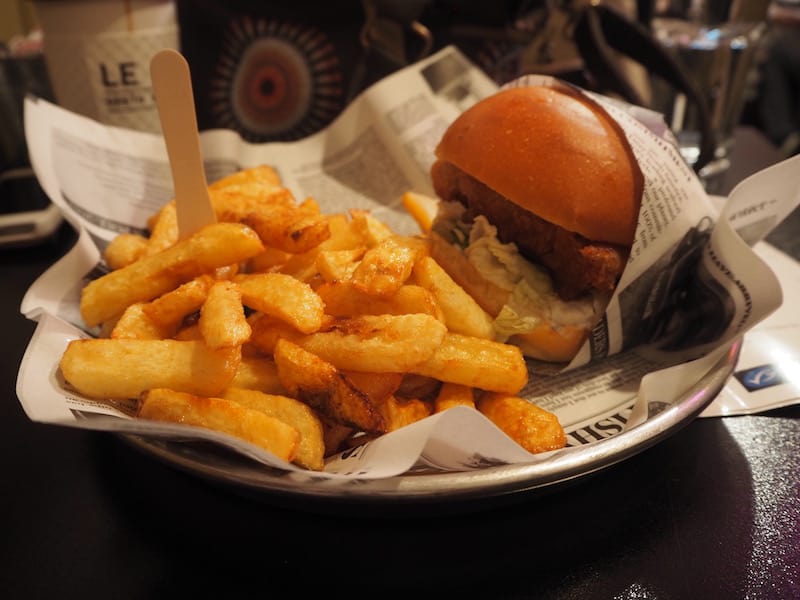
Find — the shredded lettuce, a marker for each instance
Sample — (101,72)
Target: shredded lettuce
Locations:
(532,298)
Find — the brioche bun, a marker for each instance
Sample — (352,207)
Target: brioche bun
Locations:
(553,153)
(553,160)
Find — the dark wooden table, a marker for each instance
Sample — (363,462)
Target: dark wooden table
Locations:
(711,512)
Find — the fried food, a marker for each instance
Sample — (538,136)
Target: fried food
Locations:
(300,332)
(227,416)
(532,427)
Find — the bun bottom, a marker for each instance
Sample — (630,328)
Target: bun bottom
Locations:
(549,342)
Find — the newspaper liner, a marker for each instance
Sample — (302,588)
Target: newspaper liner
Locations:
(692,287)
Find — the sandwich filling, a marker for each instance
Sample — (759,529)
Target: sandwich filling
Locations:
(531,296)
(576,264)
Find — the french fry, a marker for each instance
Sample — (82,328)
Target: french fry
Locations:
(284,297)
(476,362)
(422,208)
(222,321)
(302,267)
(213,246)
(170,309)
(385,267)
(124,249)
(189,333)
(289,228)
(226,416)
(233,203)
(226,272)
(258,374)
(492,296)
(462,314)
(121,369)
(369,229)
(271,259)
(418,386)
(454,394)
(263,175)
(267,330)
(310,206)
(399,412)
(343,299)
(311,448)
(135,324)
(163,229)
(377,386)
(320,385)
(345,234)
(532,427)
(338,265)
(377,343)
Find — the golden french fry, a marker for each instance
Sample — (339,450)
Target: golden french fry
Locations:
(226,272)
(124,249)
(213,246)
(377,386)
(271,259)
(311,448)
(170,309)
(258,373)
(235,202)
(289,228)
(222,321)
(377,343)
(310,206)
(345,234)
(189,333)
(370,230)
(476,362)
(385,267)
(492,297)
(302,267)
(418,386)
(226,416)
(284,297)
(454,394)
(343,299)
(263,175)
(163,229)
(399,412)
(267,330)
(135,324)
(462,314)
(422,208)
(531,426)
(338,265)
(320,385)
(120,369)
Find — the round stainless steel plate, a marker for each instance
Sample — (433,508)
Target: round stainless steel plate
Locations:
(428,488)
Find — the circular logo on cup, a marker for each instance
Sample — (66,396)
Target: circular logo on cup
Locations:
(275,81)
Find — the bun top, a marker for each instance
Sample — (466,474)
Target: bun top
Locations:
(555,153)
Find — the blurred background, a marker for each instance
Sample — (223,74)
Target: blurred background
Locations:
(282,71)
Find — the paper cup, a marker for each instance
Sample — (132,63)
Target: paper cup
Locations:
(98,56)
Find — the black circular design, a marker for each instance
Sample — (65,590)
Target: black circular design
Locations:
(275,81)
